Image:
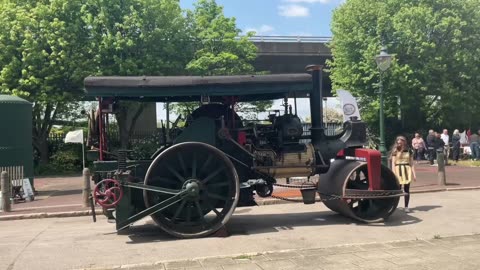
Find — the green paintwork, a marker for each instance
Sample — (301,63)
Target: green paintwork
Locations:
(122,223)
(182,88)
(131,205)
(125,208)
(16,134)
(138,167)
(201,130)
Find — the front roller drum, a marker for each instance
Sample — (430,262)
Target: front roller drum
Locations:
(213,180)
(352,175)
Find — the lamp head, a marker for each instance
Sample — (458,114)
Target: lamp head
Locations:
(383,59)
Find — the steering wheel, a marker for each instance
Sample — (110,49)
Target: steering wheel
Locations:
(108,193)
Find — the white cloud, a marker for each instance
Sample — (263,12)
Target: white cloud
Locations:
(262,30)
(309,1)
(293,11)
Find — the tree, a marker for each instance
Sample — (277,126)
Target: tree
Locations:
(333,116)
(218,50)
(43,60)
(435,70)
(134,38)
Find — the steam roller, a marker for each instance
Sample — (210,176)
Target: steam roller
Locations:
(216,161)
(351,181)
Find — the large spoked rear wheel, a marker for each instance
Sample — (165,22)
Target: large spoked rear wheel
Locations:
(193,164)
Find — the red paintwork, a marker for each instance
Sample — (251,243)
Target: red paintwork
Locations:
(242,138)
(100,127)
(108,193)
(373,158)
(374,162)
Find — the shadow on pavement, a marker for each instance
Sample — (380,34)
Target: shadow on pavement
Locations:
(244,224)
(146,233)
(425,208)
(46,192)
(67,192)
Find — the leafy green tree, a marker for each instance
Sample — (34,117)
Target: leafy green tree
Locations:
(43,59)
(435,70)
(134,38)
(218,50)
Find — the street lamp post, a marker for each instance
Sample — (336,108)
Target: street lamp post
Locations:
(383,63)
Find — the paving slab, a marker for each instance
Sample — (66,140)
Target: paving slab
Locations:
(301,259)
(64,194)
(256,233)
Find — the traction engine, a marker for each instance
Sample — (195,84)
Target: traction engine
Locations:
(217,162)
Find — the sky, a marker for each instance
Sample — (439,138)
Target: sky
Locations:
(277,18)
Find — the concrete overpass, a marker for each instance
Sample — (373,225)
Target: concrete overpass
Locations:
(289,54)
(276,54)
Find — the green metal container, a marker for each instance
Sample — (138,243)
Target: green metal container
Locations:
(16,151)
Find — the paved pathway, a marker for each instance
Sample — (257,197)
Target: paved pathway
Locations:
(61,194)
(66,243)
(456,253)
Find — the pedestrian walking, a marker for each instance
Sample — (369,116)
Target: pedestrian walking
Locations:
(456,145)
(402,165)
(475,145)
(418,145)
(446,140)
(431,145)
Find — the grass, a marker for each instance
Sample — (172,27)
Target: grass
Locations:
(468,163)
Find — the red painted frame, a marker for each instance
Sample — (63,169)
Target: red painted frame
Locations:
(374,165)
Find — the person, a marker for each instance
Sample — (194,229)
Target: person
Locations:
(456,145)
(402,165)
(439,145)
(431,146)
(446,149)
(418,145)
(475,145)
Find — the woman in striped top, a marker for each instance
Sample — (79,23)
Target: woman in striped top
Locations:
(402,166)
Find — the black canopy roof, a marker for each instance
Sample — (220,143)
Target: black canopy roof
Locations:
(191,88)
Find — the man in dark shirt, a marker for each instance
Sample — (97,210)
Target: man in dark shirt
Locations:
(431,145)
(439,143)
(475,145)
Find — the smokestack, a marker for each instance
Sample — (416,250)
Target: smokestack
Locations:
(316,107)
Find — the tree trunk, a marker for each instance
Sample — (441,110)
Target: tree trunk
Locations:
(126,124)
(42,127)
(121,116)
(42,147)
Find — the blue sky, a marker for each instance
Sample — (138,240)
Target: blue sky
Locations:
(279,17)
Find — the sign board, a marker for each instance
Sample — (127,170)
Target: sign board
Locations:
(27,189)
(75,136)
(349,105)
